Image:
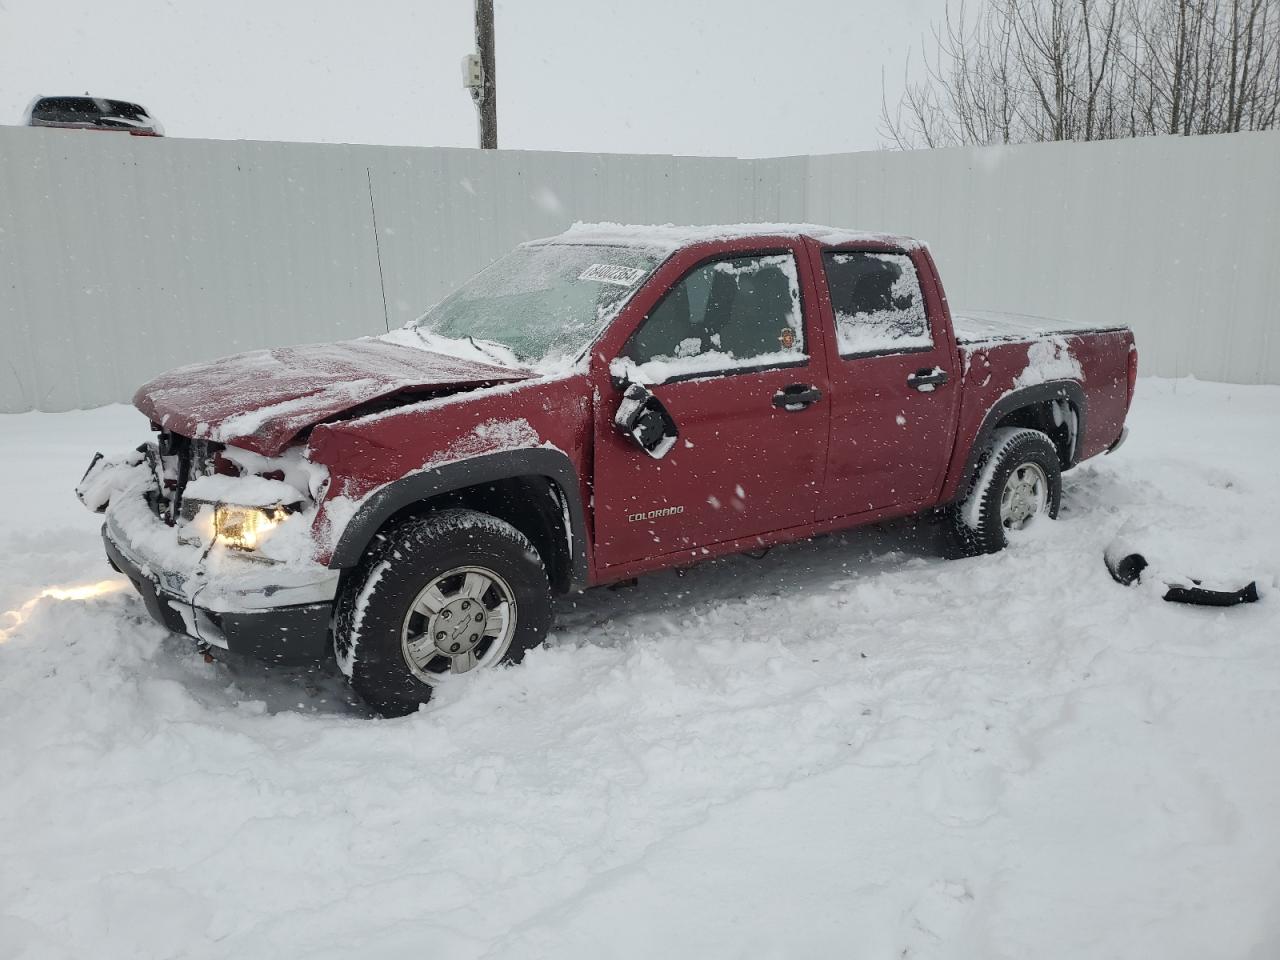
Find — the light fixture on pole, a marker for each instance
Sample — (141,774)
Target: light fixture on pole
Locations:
(479,76)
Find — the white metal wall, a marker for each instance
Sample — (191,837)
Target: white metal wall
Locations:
(1178,237)
(121,257)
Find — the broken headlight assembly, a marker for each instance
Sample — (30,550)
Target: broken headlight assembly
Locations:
(242,528)
(235,526)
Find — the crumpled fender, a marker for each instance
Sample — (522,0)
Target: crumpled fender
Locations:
(108,476)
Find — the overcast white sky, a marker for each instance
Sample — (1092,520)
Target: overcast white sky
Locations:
(734,77)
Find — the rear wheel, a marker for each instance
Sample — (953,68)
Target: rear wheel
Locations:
(435,599)
(1019,483)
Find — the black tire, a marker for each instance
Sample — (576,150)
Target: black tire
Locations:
(975,523)
(378,596)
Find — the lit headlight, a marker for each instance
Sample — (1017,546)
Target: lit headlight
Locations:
(242,528)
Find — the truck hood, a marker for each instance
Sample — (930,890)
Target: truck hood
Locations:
(262,400)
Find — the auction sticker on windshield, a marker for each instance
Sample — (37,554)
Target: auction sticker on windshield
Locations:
(611,273)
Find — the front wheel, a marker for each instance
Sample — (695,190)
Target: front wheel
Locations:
(1019,483)
(437,598)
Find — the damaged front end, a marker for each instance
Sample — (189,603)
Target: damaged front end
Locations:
(218,542)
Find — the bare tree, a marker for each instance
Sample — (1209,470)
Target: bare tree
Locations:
(1033,70)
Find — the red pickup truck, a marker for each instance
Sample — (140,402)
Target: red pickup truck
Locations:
(601,404)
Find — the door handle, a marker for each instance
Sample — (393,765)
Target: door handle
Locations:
(796,397)
(927,380)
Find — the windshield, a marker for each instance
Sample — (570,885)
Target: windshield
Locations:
(543,303)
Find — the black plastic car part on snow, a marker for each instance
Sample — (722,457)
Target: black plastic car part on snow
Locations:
(1126,568)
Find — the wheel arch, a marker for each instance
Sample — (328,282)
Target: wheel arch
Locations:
(1033,407)
(535,490)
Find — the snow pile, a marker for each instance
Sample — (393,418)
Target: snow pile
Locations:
(243,491)
(849,748)
(1049,360)
(292,465)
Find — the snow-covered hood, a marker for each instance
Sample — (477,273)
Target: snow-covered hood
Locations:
(263,399)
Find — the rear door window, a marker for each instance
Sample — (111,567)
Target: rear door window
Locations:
(877,301)
(740,313)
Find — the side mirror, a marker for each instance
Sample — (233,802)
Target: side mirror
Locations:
(642,417)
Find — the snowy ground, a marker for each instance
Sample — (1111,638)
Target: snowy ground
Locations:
(851,748)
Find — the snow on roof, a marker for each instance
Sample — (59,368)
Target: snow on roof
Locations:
(670,237)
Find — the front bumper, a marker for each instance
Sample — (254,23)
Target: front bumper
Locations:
(283,633)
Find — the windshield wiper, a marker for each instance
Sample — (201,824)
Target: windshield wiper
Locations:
(498,358)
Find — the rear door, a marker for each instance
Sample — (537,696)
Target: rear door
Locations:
(732,340)
(894,379)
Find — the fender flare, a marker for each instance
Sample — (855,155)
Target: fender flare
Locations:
(386,501)
(1014,401)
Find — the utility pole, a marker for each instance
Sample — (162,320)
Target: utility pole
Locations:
(480,76)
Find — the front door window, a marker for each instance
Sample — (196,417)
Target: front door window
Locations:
(727,316)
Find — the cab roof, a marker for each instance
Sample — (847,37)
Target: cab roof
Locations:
(669,237)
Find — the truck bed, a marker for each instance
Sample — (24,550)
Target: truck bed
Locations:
(990,326)
(1006,352)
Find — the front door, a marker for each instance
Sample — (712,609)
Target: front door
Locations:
(730,352)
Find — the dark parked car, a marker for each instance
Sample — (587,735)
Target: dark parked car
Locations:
(92,113)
